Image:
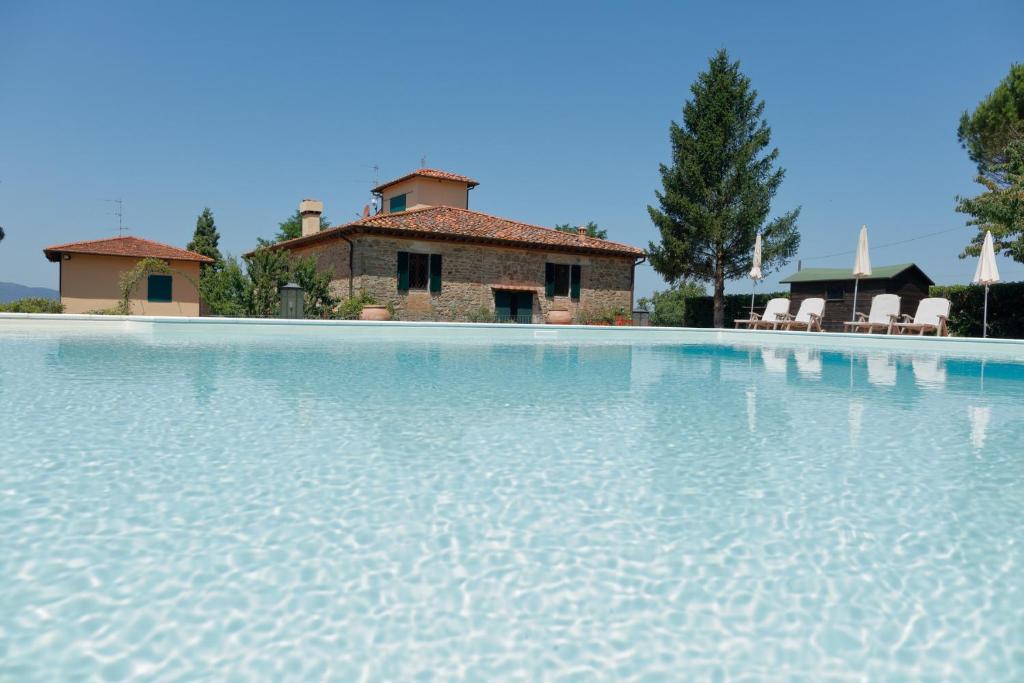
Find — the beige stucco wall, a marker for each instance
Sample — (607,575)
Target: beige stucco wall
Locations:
(470,272)
(89,282)
(428,192)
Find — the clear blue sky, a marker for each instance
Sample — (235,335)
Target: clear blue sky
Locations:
(560,110)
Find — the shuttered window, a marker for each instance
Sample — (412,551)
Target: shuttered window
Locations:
(419,271)
(561,279)
(159,287)
(396,203)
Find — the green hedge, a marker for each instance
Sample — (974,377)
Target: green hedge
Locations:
(1005,309)
(700,310)
(32,305)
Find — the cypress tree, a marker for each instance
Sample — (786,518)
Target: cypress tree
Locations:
(718,190)
(205,238)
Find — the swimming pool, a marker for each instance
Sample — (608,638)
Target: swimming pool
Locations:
(429,502)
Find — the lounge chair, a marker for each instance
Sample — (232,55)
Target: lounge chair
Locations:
(932,316)
(773,312)
(885,310)
(808,318)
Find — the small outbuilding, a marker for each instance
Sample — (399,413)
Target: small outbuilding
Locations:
(835,285)
(90,272)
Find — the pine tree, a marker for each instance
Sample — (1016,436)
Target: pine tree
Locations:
(205,238)
(718,190)
(993,135)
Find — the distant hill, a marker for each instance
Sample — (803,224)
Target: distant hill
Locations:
(10,291)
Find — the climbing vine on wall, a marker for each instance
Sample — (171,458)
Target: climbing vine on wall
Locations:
(144,268)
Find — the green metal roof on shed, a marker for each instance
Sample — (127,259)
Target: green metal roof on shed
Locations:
(831,274)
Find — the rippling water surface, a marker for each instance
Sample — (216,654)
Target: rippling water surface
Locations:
(178,505)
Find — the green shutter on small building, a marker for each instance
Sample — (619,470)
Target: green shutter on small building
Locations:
(574,282)
(159,288)
(396,204)
(435,273)
(549,279)
(403,271)
(502,304)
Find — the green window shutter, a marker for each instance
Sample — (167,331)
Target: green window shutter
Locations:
(574,282)
(159,288)
(396,204)
(549,279)
(435,273)
(502,304)
(403,271)
(524,306)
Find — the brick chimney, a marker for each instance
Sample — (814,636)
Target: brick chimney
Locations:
(581,231)
(310,210)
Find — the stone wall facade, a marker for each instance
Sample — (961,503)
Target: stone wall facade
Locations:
(470,273)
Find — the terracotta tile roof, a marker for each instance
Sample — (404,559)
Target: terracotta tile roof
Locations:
(454,224)
(125,246)
(429,173)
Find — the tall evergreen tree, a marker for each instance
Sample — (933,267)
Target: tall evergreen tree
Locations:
(993,135)
(206,238)
(718,190)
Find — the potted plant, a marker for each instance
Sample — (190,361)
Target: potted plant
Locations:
(559,315)
(621,319)
(375,312)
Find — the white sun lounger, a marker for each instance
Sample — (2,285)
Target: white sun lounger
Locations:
(885,310)
(932,316)
(807,318)
(773,312)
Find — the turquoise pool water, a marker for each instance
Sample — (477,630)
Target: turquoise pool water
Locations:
(220,502)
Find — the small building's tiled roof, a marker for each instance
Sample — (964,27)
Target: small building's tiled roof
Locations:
(429,173)
(830,274)
(455,224)
(125,246)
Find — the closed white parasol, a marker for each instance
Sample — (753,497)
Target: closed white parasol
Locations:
(861,266)
(986,274)
(755,269)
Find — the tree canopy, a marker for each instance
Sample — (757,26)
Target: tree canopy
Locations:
(993,135)
(717,192)
(591,226)
(987,132)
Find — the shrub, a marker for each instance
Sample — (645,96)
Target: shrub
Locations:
(350,308)
(1005,309)
(32,305)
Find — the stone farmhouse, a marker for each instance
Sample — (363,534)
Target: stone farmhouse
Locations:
(432,258)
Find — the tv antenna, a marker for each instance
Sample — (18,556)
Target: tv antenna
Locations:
(376,173)
(119,212)
(423,161)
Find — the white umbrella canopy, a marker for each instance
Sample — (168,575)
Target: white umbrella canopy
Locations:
(861,266)
(755,270)
(986,274)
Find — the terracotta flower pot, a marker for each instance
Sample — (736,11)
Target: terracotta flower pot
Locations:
(375,313)
(559,317)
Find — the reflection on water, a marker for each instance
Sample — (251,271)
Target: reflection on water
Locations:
(341,508)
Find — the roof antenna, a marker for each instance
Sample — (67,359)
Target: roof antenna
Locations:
(423,161)
(119,212)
